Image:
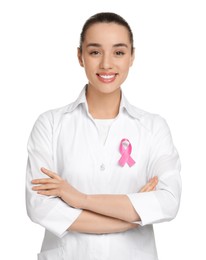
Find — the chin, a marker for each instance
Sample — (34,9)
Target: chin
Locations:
(107,88)
(109,91)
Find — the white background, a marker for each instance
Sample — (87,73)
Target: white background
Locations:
(39,71)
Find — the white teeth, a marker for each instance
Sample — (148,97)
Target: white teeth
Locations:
(107,76)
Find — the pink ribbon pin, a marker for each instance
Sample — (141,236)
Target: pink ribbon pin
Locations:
(125,149)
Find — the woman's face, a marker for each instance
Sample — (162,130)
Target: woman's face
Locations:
(106,56)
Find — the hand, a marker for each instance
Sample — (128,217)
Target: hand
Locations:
(56,186)
(150,186)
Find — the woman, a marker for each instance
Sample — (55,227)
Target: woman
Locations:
(110,170)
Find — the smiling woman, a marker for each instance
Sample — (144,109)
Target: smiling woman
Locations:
(100,171)
(106,54)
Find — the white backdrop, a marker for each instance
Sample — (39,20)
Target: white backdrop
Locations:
(39,71)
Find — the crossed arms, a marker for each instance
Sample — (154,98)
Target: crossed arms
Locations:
(100,213)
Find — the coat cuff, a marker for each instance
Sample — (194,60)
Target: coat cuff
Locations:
(147,207)
(60,218)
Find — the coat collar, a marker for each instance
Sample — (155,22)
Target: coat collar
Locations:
(124,105)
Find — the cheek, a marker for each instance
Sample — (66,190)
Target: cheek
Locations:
(125,63)
(125,67)
(90,73)
(90,66)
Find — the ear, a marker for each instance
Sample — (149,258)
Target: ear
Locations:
(79,55)
(132,58)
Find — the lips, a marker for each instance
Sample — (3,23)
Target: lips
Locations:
(106,77)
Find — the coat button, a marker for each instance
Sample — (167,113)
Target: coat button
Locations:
(102,167)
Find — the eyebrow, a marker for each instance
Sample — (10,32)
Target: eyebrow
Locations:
(114,46)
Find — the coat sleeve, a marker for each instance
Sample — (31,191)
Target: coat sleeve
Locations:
(48,211)
(163,161)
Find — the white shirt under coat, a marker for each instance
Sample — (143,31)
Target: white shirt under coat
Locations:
(67,141)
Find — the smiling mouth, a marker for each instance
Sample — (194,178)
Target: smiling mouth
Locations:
(107,78)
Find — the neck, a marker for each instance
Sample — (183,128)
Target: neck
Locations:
(103,105)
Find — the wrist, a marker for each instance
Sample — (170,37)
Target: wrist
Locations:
(80,201)
(83,201)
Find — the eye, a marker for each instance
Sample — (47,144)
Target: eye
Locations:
(119,53)
(94,53)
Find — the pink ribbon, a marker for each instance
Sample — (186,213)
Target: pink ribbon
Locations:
(125,149)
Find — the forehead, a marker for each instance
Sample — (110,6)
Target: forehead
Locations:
(107,33)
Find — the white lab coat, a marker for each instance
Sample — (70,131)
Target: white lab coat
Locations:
(66,140)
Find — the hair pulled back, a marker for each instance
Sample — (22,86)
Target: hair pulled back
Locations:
(105,17)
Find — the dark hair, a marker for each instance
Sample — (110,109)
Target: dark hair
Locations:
(105,17)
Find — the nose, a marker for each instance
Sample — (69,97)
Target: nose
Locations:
(106,62)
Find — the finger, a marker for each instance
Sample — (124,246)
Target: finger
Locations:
(45,187)
(51,174)
(154,183)
(145,187)
(48,192)
(44,181)
(151,185)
